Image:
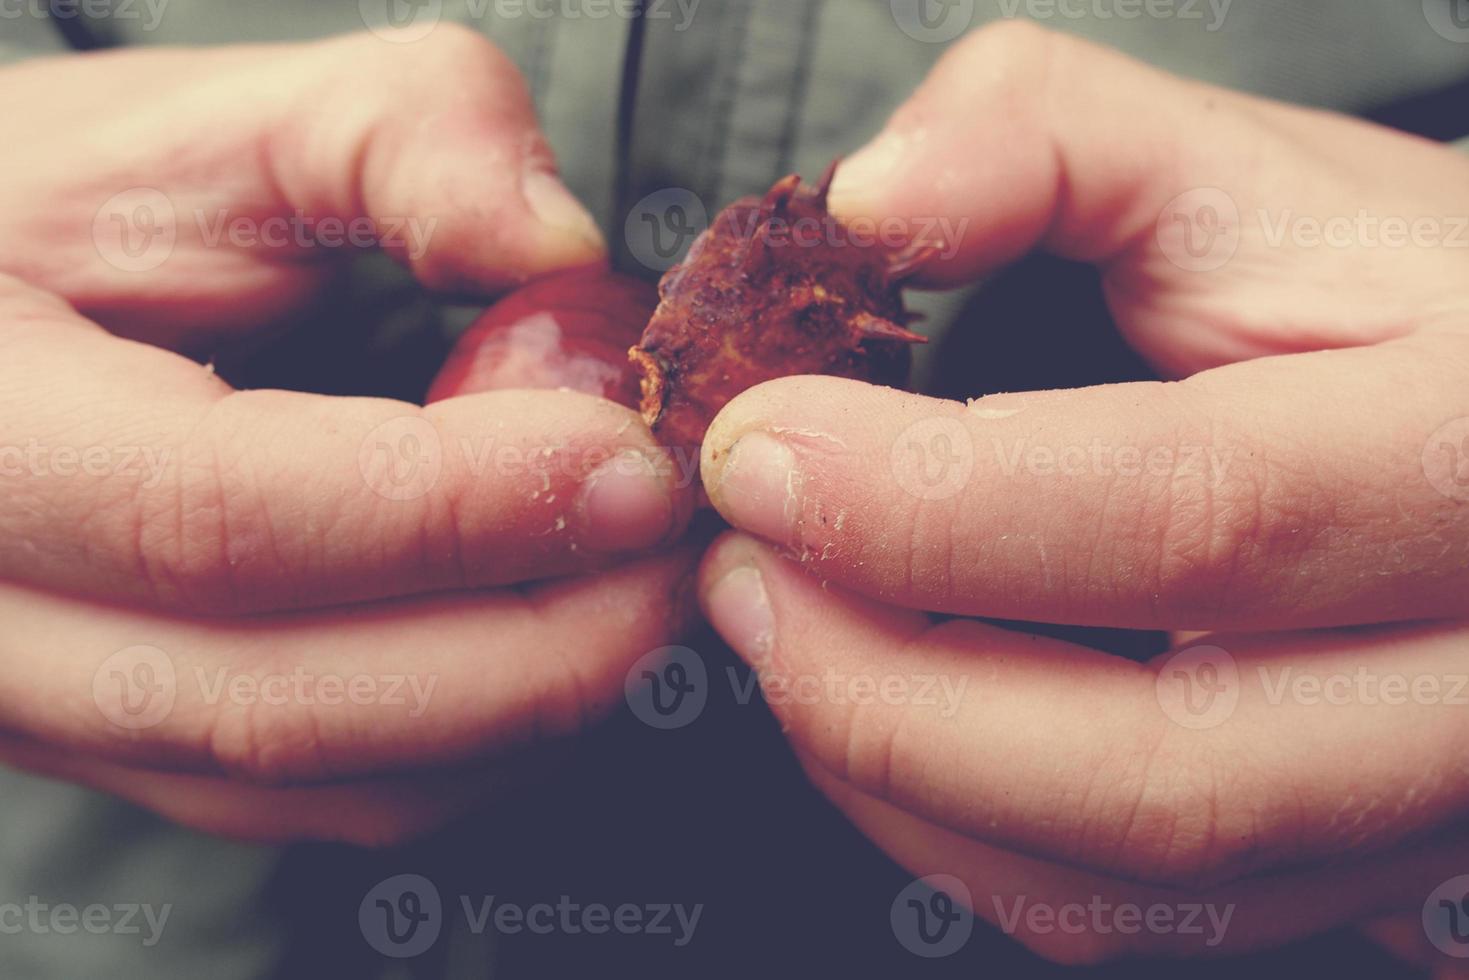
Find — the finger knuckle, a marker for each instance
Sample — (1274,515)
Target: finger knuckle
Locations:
(451,49)
(856,744)
(207,539)
(1177,815)
(1226,534)
(269,744)
(184,532)
(1010,60)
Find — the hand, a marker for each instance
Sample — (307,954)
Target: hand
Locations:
(1307,476)
(181,565)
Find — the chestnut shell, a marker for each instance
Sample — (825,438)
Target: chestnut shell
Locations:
(776,286)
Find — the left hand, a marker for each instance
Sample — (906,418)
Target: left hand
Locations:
(1298,495)
(278,615)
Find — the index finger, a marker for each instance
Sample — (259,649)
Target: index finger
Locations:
(135,474)
(1309,490)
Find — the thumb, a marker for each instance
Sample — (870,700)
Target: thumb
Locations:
(1023,138)
(208,208)
(447,137)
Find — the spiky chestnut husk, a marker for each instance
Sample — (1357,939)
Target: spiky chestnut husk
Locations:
(774,287)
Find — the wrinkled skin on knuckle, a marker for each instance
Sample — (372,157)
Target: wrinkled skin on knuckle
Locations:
(183,549)
(845,740)
(1218,541)
(266,744)
(207,538)
(1186,815)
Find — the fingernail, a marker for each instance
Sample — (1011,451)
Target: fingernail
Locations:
(864,177)
(759,489)
(739,609)
(556,208)
(624,505)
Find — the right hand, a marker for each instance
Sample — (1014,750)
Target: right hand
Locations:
(182,565)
